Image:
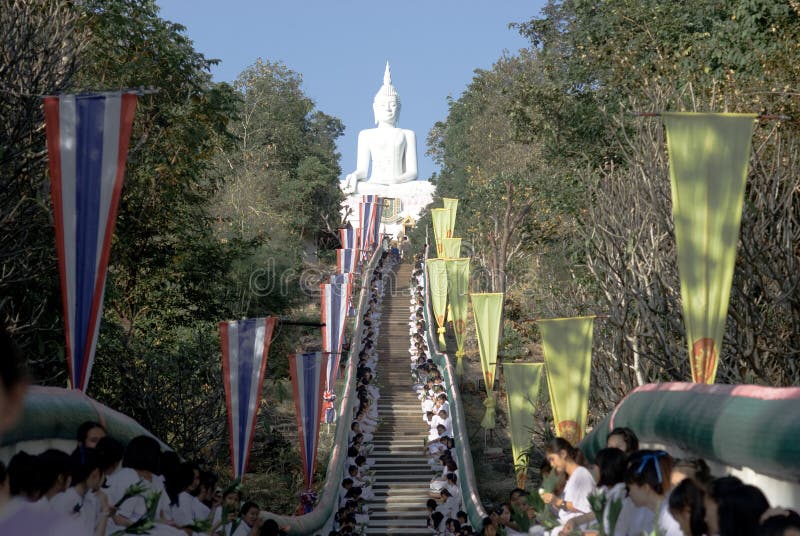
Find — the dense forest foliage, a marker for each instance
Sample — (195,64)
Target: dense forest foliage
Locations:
(565,195)
(228,187)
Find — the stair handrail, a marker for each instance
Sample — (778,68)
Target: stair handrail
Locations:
(469,489)
(320,519)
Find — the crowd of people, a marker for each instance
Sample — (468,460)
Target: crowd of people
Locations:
(445,509)
(356,491)
(102,487)
(641,492)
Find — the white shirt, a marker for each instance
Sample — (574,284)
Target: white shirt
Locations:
(580,485)
(666,524)
(88,507)
(242,530)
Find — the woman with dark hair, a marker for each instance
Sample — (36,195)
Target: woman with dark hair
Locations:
(177,485)
(716,489)
(623,439)
(574,501)
(89,433)
(83,500)
(54,473)
(686,506)
(608,470)
(648,479)
(740,509)
(140,472)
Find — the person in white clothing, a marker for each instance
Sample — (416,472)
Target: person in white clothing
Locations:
(249,522)
(648,477)
(574,501)
(84,501)
(609,473)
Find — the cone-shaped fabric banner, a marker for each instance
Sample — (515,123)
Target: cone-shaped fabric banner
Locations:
(308,371)
(458,293)
(437,280)
(441,221)
(487,309)
(335,301)
(347,261)
(368,211)
(452,248)
(245,346)
(349,237)
(87,143)
(522,390)
(708,159)
(376,228)
(567,345)
(452,205)
(333,316)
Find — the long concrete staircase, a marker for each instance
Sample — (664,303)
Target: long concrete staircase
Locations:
(402,474)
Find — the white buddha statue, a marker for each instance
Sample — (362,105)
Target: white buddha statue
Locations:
(392,150)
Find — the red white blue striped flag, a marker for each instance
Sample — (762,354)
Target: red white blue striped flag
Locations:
(308,372)
(334,313)
(367,219)
(347,261)
(87,144)
(349,237)
(245,348)
(376,229)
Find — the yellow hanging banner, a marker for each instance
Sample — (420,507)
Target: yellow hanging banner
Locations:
(487,309)
(458,292)
(451,204)
(522,391)
(441,221)
(567,346)
(437,280)
(452,248)
(708,160)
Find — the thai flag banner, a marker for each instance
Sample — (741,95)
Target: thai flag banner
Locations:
(349,237)
(367,219)
(334,314)
(376,226)
(346,279)
(245,347)
(308,380)
(347,260)
(87,145)
(335,300)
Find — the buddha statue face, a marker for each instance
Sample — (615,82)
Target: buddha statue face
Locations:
(386,109)
(386,104)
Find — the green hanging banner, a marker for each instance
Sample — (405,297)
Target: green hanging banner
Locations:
(437,280)
(451,204)
(567,346)
(452,248)
(522,391)
(458,292)
(441,221)
(708,160)
(487,309)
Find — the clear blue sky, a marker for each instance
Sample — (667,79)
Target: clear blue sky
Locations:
(340,48)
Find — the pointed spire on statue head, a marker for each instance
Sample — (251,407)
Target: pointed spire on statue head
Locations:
(387,90)
(387,75)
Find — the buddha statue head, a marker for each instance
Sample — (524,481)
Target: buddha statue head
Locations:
(386,104)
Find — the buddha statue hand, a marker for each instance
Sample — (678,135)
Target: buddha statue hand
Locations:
(350,183)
